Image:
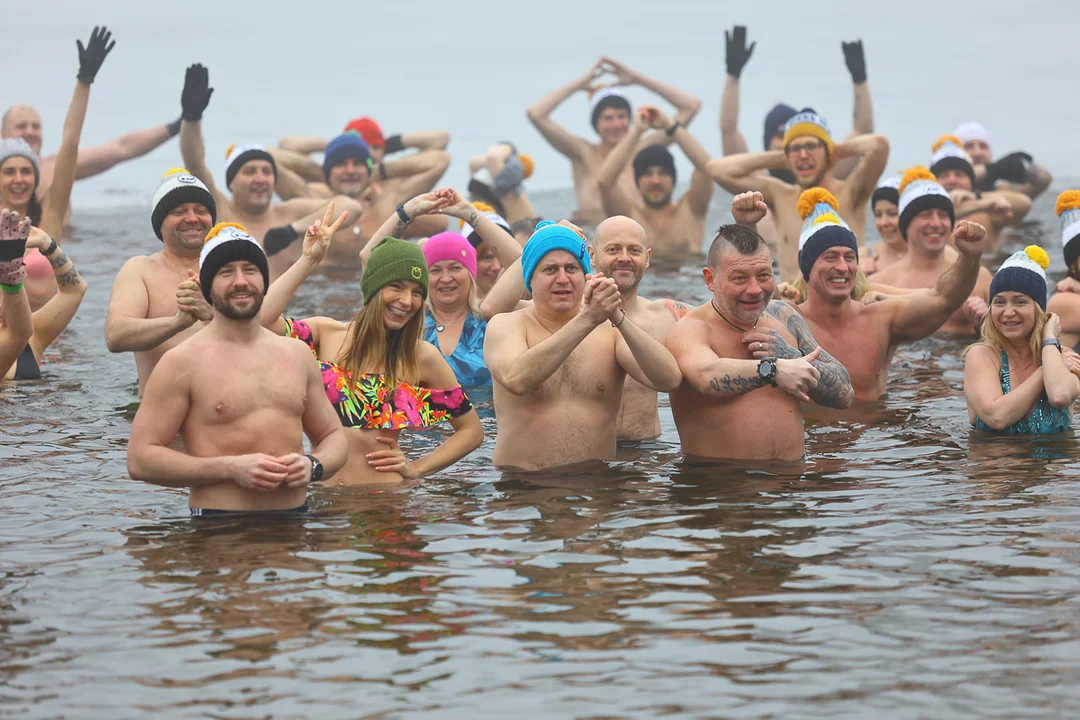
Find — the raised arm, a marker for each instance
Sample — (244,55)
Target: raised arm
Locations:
(732,141)
(419,139)
(982,390)
(193,101)
(505,296)
(539,113)
(872,152)
(506,248)
(419,171)
(701,185)
(521,369)
(921,314)
(686,105)
(645,358)
(127,329)
(614,199)
(394,226)
(18,325)
(744,172)
(303,144)
(1062,386)
(51,319)
(289,184)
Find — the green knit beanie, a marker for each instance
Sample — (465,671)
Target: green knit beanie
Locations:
(393,260)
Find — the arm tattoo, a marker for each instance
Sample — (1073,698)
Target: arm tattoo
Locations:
(58,259)
(399,229)
(834,386)
(71,277)
(737,385)
(474,218)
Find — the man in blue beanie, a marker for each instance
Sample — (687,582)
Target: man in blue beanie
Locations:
(558,366)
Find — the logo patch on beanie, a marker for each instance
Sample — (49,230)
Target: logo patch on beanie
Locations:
(417,273)
(186,179)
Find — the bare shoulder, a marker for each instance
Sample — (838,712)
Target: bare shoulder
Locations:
(981,355)
(140,265)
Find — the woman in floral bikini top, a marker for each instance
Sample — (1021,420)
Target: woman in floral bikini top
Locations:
(378,374)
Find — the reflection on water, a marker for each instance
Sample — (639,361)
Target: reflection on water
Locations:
(909,569)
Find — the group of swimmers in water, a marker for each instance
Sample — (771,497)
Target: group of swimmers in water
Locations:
(462,291)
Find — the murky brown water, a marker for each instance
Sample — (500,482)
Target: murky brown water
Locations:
(911,571)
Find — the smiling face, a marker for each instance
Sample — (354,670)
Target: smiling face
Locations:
(401,300)
(655,186)
(16,183)
(832,276)
(558,282)
(887,222)
(488,268)
(808,160)
(620,252)
(953,179)
(349,177)
(253,187)
(1013,315)
(23,121)
(742,285)
(612,125)
(185,227)
(449,282)
(237,290)
(979,152)
(929,230)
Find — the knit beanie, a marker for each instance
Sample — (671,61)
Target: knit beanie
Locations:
(450,246)
(393,260)
(225,243)
(966,132)
(949,154)
(1067,208)
(808,122)
(369,130)
(920,190)
(1024,272)
(549,237)
(177,187)
(822,228)
(17,147)
(237,155)
(343,147)
(607,98)
(469,232)
(654,156)
(887,189)
(776,121)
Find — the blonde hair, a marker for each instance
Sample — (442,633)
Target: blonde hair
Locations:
(991,338)
(473,302)
(861,287)
(371,348)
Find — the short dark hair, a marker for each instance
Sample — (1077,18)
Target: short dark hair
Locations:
(743,238)
(528,225)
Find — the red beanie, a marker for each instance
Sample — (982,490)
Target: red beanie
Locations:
(369,130)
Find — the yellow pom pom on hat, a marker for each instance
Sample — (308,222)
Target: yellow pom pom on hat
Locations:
(920,190)
(810,199)
(527,166)
(1024,272)
(225,243)
(808,122)
(1067,208)
(822,228)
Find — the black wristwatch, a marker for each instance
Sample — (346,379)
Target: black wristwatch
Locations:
(402,214)
(673,129)
(316,468)
(766,370)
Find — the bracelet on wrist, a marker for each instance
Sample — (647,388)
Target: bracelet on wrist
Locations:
(403,215)
(52,247)
(673,129)
(621,320)
(12,289)
(1051,342)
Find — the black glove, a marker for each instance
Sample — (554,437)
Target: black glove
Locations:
(393,144)
(1014,168)
(196,94)
(91,56)
(856,61)
(737,52)
(279,238)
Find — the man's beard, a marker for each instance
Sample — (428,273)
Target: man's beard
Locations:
(657,205)
(223,306)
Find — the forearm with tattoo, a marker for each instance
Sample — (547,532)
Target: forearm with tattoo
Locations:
(735,384)
(834,386)
(399,229)
(58,259)
(71,277)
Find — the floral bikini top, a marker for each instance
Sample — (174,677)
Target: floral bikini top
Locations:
(374,404)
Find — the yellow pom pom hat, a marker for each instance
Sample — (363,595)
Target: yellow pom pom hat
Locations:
(822,228)
(949,154)
(1067,209)
(920,190)
(808,122)
(225,243)
(178,187)
(237,155)
(1024,272)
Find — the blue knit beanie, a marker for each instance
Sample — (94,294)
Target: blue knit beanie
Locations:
(547,237)
(345,146)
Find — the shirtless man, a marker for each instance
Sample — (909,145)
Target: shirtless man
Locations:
(156,301)
(865,337)
(677,228)
(809,154)
(611,121)
(558,367)
(250,175)
(240,397)
(1016,171)
(379,185)
(621,252)
(731,405)
(926,222)
(994,210)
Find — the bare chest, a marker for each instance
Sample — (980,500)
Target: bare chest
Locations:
(236,385)
(590,372)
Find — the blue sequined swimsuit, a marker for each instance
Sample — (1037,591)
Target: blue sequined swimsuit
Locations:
(1044,419)
(467,360)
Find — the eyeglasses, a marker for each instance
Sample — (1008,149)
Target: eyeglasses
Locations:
(807,146)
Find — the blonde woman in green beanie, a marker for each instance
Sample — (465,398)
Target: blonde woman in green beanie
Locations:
(378,373)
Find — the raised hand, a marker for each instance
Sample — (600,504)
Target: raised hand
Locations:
(737,52)
(868,264)
(601,299)
(749,208)
(196,94)
(975,309)
(623,75)
(428,203)
(798,376)
(190,300)
(14,231)
(1068,284)
(769,343)
(855,60)
(391,460)
(787,291)
(1052,329)
(970,238)
(457,205)
(319,235)
(587,82)
(91,56)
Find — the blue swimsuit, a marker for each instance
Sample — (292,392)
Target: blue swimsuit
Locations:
(1042,420)
(467,360)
